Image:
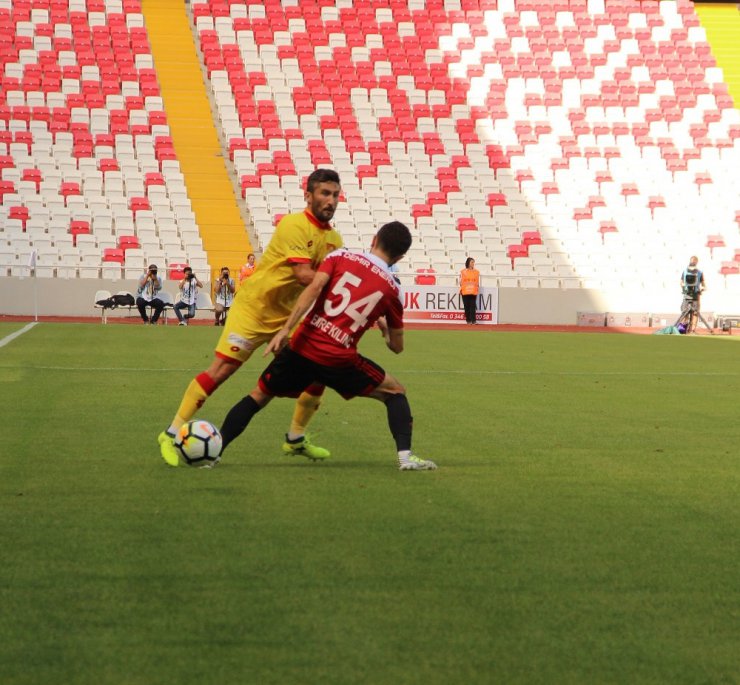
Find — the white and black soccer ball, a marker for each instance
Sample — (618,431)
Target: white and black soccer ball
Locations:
(199,444)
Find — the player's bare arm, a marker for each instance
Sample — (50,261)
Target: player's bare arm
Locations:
(302,305)
(393,336)
(303,273)
(382,323)
(395,340)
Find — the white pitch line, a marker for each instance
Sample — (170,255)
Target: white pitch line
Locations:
(10,338)
(115,369)
(571,373)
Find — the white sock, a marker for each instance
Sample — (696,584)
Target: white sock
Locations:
(404,454)
(295,436)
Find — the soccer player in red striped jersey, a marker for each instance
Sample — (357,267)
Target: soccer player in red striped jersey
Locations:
(349,293)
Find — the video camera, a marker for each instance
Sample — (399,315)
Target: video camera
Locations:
(691,281)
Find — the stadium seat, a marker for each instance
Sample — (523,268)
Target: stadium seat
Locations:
(128,242)
(80,98)
(77,228)
(497,131)
(425,277)
(714,241)
(102,301)
(19,213)
(203,300)
(112,254)
(175,271)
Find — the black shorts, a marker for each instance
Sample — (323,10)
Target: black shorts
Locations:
(290,374)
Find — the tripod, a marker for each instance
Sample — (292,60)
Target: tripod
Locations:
(689,307)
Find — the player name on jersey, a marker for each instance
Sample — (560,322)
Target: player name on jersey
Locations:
(343,338)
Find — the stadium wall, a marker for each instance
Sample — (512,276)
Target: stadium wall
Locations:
(75,297)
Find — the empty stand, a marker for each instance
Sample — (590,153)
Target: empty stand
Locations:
(579,142)
(602,127)
(84,157)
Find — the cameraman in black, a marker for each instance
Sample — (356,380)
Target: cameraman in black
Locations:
(224,289)
(147,295)
(188,293)
(692,285)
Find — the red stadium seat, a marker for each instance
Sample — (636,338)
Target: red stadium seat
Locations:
(153,179)
(607,227)
(138,204)
(6,187)
(715,241)
(113,254)
(128,242)
(108,164)
(176,271)
(78,227)
(68,188)
(466,224)
(20,213)
(531,238)
(425,277)
(514,252)
(33,176)
(730,268)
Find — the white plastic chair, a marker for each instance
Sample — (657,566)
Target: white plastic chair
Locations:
(203,300)
(169,303)
(101,295)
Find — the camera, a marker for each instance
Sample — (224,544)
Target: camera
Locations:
(190,276)
(691,281)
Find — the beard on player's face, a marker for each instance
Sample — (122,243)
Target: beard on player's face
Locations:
(323,205)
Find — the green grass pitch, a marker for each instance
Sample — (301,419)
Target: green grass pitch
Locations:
(582,526)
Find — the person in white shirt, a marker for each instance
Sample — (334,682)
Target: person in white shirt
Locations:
(147,295)
(224,289)
(188,292)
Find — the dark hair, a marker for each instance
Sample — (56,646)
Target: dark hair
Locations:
(321,176)
(394,239)
(467,262)
(187,268)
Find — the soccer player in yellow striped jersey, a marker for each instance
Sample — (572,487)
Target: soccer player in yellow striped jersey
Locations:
(263,304)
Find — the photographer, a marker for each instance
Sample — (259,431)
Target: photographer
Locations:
(692,286)
(188,293)
(223,290)
(146,296)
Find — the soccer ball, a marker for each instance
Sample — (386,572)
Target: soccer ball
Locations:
(199,444)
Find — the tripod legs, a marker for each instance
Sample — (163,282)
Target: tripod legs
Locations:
(704,321)
(686,318)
